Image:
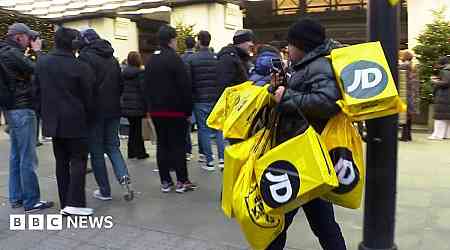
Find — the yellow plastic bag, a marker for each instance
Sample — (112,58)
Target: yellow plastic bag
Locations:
(245,107)
(345,147)
(220,112)
(235,157)
(294,173)
(258,227)
(366,82)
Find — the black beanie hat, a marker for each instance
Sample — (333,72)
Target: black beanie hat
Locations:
(165,34)
(306,34)
(242,36)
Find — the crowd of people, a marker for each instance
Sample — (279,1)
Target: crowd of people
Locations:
(80,91)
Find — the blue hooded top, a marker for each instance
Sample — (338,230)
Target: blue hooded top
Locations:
(261,73)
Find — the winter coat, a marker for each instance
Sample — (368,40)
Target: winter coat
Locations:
(63,88)
(442,96)
(203,69)
(108,82)
(166,83)
(412,87)
(260,75)
(20,70)
(312,89)
(132,100)
(233,66)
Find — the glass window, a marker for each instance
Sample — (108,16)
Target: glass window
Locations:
(284,7)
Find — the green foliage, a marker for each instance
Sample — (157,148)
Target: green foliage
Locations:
(183,31)
(44,27)
(433,43)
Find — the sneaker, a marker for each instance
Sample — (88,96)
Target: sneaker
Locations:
(188,157)
(189,186)
(180,188)
(17,204)
(41,205)
(221,164)
(166,187)
(80,211)
(434,138)
(209,167)
(98,195)
(221,161)
(201,158)
(143,156)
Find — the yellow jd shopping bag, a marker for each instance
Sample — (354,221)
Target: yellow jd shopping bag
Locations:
(219,113)
(345,147)
(244,110)
(258,227)
(366,82)
(295,172)
(235,157)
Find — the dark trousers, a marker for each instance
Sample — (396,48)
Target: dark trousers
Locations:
(171,147)
(320,216)
(406,129)
(136,145)
(71,160)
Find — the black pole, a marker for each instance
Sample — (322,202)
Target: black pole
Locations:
(381,182)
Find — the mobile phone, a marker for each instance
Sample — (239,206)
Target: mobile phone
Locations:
(277,65)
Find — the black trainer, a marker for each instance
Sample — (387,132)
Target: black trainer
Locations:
(41,205)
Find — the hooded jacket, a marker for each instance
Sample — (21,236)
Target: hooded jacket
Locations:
(261,73)
(312,88)
(132,101)
(20,70)
(107,84)
(233,66)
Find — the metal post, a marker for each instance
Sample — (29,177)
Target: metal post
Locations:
(381,181)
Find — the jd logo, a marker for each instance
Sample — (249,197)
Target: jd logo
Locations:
(279,184)
(346,170)
(364,79)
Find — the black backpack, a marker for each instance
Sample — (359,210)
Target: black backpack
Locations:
(6,86)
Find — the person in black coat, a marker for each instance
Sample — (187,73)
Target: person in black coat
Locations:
(441,100)
(234,60)
(133,104)
(169,98)
(64,93)
(312,89)
(104,132)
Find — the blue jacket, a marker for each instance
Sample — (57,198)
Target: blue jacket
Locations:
(261,73)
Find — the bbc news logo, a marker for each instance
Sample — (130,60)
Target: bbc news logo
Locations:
(55,222)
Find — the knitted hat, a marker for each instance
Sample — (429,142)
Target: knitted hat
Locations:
(242,36)
(306,34)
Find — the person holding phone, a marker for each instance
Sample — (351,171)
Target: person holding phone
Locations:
(312,90)
(264,66)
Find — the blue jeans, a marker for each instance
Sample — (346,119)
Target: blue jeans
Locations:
(23,181)
(202,111)
(104,139)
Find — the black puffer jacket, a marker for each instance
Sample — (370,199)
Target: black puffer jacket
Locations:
(132,100)
(442,96)
(203,68)
(20,70)
(312,88)
(107,86)
(233,66)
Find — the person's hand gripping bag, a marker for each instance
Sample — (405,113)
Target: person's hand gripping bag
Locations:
(345,147)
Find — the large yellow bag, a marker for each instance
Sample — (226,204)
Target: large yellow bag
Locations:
(258,227)
(221,109)
(245,107)
(294,173)
(345,147)
(366,83)
(236,156)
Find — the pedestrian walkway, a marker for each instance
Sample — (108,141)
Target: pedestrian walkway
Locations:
(194,220)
